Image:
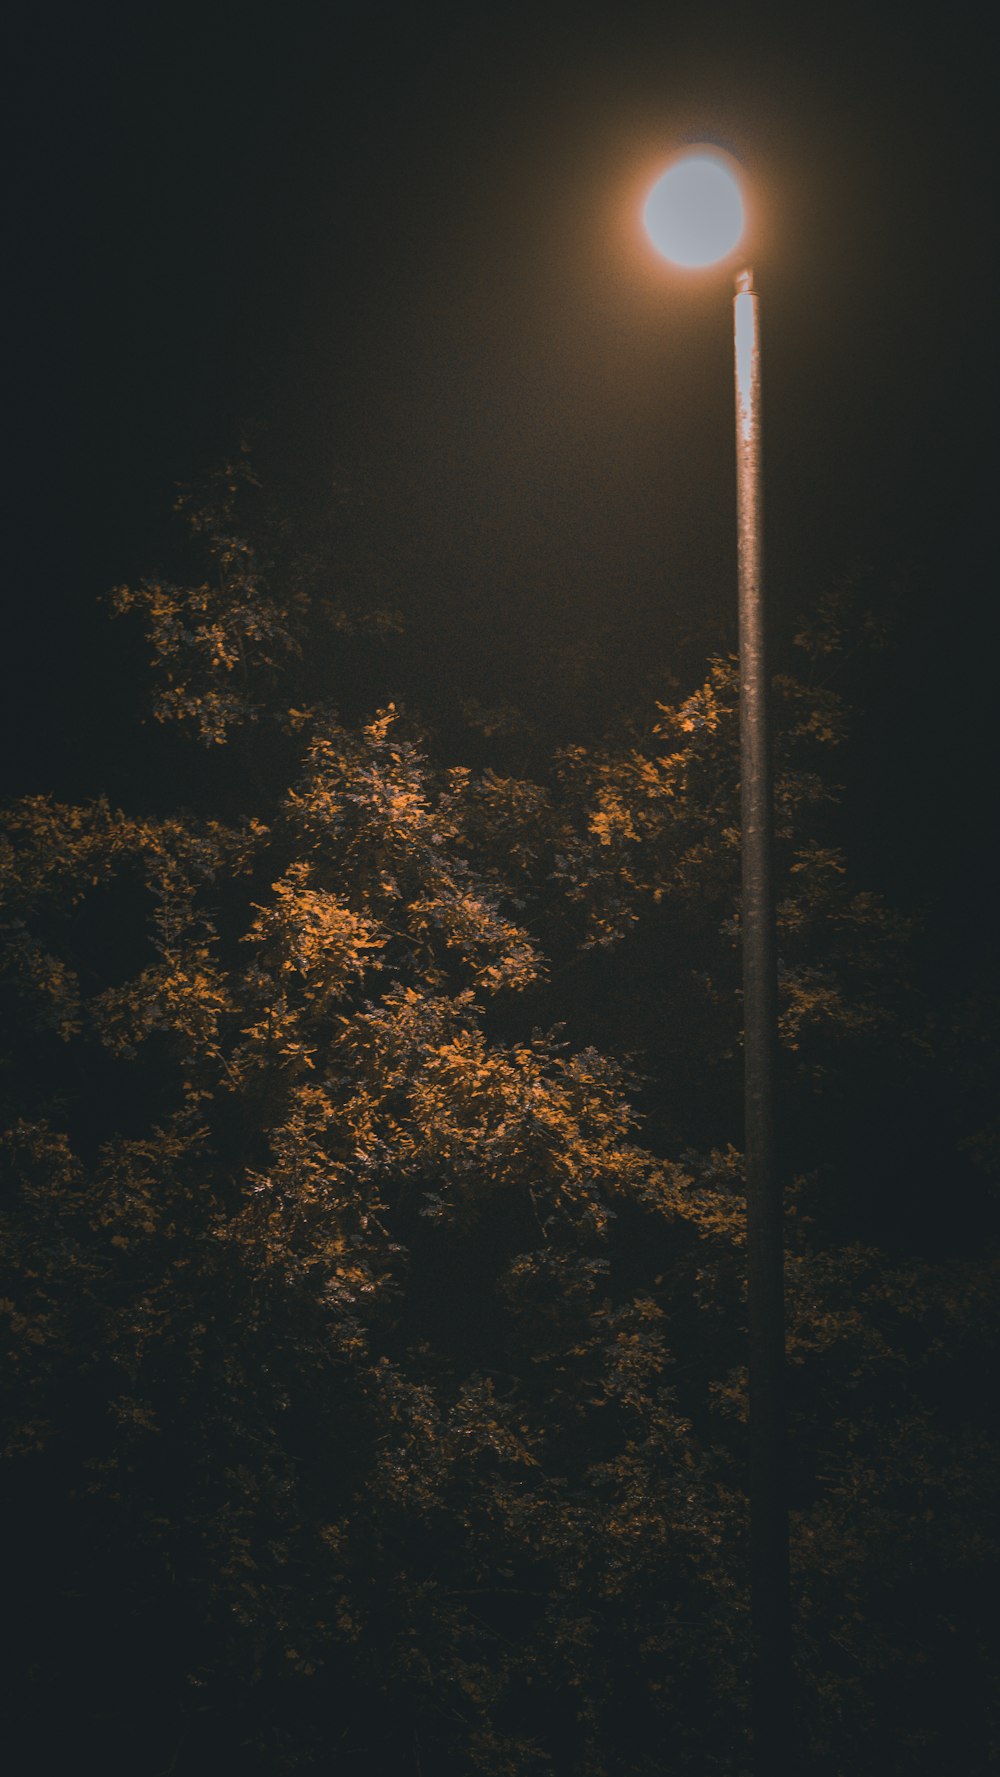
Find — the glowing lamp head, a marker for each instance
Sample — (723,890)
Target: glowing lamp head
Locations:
(694,213)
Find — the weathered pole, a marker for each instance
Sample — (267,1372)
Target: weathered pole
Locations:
(769,1576)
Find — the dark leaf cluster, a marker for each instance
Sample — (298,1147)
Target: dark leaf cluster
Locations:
(374,1233)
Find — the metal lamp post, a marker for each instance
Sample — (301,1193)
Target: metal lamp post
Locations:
(769,1588)
(694,216)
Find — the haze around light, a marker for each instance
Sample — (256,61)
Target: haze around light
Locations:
(694,213)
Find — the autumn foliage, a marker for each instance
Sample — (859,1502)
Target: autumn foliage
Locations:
(374,1245)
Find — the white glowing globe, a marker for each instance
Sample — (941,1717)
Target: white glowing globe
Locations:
(694,213)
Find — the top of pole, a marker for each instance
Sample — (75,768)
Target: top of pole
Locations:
(744,281)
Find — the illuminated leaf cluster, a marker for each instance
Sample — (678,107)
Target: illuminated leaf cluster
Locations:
(352,1310)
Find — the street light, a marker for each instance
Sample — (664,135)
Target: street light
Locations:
(695,218)
(694,213)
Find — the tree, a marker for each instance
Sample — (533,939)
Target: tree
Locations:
(375,1326)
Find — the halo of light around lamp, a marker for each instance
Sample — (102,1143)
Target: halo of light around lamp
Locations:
(694,213)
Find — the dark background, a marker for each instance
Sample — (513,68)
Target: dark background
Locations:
(400,243)
(403,241)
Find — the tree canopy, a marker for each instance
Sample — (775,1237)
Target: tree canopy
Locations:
(374,1225)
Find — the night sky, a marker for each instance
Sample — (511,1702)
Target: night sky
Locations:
(399,246)
(403,242)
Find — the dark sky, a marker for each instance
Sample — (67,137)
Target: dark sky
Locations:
(404,238)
